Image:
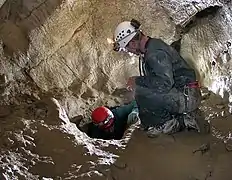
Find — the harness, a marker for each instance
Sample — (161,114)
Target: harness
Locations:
(141,66)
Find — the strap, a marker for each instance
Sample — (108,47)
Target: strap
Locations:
(140,61)
(186,98)
(141,66)
(194,84)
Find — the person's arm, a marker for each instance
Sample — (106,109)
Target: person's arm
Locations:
(133,117)
(160,74)
(124,110)
(129,112)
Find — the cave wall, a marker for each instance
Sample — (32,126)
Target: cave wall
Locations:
(60,47)
(208,46)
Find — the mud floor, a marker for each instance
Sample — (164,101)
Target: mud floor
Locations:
(167,158)
(183,156)
(37,141)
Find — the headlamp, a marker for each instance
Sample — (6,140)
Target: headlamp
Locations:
(116,46)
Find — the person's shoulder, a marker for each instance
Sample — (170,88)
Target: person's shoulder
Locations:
(157,42)
(112,107)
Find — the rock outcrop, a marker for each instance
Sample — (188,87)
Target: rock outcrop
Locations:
(60,47)
(208,45)
(54,48)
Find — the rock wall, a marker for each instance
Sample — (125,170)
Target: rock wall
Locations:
(208,45)
(60,48)
(2,2)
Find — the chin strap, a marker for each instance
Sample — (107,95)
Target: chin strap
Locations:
(140,68)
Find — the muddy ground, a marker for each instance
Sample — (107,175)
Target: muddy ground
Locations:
(179,156)
(173,158)
(34,145)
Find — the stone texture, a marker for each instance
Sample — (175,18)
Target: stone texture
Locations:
(183,11)
(208,47)
(60,47)
(2,2)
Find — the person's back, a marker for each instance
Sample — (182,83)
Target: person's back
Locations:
(182,72)
(167,74)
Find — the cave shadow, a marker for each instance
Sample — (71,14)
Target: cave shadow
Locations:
(208,12)
(19,18)
(177,46)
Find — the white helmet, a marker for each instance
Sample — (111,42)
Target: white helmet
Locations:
(124,33)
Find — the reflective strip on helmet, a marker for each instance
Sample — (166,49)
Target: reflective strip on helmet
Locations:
(107,120)
(126,36)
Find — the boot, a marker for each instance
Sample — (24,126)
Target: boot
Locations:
(196,120)
(169,127)
(153,132)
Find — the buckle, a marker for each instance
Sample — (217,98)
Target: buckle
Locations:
(186,90)
(193,85)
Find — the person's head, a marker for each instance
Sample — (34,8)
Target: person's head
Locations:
(128,36)
(102,117)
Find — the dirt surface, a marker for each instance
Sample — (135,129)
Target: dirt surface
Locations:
(58,48)
(183,156)
(170,157)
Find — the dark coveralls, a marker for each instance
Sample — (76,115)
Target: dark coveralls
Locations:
(120,123)
(160,91)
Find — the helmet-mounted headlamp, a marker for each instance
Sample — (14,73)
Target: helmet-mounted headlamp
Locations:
(135,23)
(116,46)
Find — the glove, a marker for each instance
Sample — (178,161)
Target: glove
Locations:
(133,117)
(130,85)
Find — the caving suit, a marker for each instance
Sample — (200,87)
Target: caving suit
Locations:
(167,88)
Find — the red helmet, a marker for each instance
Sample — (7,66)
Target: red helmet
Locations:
(102,117)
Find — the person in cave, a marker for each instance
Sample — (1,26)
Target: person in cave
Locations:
(167,91)
(111,122)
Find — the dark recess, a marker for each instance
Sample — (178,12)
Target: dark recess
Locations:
(210,11)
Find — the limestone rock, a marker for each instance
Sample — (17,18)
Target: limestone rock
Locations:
(60,47)
(207,46)
(183,11)
(4,111)
(2,2)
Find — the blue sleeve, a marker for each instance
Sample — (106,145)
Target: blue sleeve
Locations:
(124,110)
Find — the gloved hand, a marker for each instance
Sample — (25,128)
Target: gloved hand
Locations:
(130,85)
(133,117)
